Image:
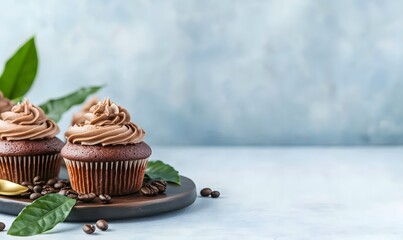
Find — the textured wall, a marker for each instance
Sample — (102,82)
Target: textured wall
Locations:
(225,72)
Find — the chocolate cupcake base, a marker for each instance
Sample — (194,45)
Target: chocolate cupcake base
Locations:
(24,168)
(107,177)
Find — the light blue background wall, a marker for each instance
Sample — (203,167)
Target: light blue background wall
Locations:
(225,72)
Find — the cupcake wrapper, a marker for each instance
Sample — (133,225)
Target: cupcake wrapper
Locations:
(24,168)
(113,178)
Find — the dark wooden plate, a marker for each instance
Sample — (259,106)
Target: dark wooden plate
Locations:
(130,206)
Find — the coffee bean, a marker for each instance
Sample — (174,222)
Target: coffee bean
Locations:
(48,190)
(154,189)
(59,185)
(26,183)
(38,188)
(161,187)
(35,195)
(37,178)
(63,192)
(105,198)
(40,183)
(72,191)
(215,194)
(161,182)
(146,191)
(102,225)
(72,195)
(2,226)
(51,181)
(25,194)
(47,186)
(89,228)
(205,192)
(149,190)
(30,188)
(87,197)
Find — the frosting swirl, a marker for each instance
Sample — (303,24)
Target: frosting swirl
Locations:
(5,104)
(78,117)
(106,124)
(26,121)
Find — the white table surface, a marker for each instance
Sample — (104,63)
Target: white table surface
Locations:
(273,193)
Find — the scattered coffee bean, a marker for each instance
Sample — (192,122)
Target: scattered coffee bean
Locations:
(51,181)
(215,194)
(48,190)
(40,183)
(102,225)
(37,188)
(47,186)
(25,194)
(26,183)
(89,228)
(30,188)
(149,190)
(2,226)
(146,191)
(72,195)
(87,197)
(59,185)
(160,185)
(37,178)
(205,192)
(154,188)
(105,198)
(35,195)
(161,182)
(63,192)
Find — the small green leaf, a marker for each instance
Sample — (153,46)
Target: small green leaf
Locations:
(42,215)
(20,71)
(159,170)
(54,108)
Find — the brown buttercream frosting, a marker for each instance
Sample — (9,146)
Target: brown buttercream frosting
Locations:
(26,121)
(106,124)
(78,117)
(5,104)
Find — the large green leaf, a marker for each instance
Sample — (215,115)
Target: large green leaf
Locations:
(20,71)
(54,108)
(42,215)
(159,170)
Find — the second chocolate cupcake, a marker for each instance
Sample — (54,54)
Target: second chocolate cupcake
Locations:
(106,154)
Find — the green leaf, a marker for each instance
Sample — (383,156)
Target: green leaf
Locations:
(20,71)
(159,170)
(42,215)
(54,108)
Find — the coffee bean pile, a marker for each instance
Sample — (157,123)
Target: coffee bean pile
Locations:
(206,192)
(154,188)
(101,225)
(39,187)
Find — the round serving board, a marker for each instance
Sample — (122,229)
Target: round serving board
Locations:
(129,206)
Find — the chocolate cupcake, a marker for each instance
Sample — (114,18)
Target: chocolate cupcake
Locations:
(106,154)
(28,146)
